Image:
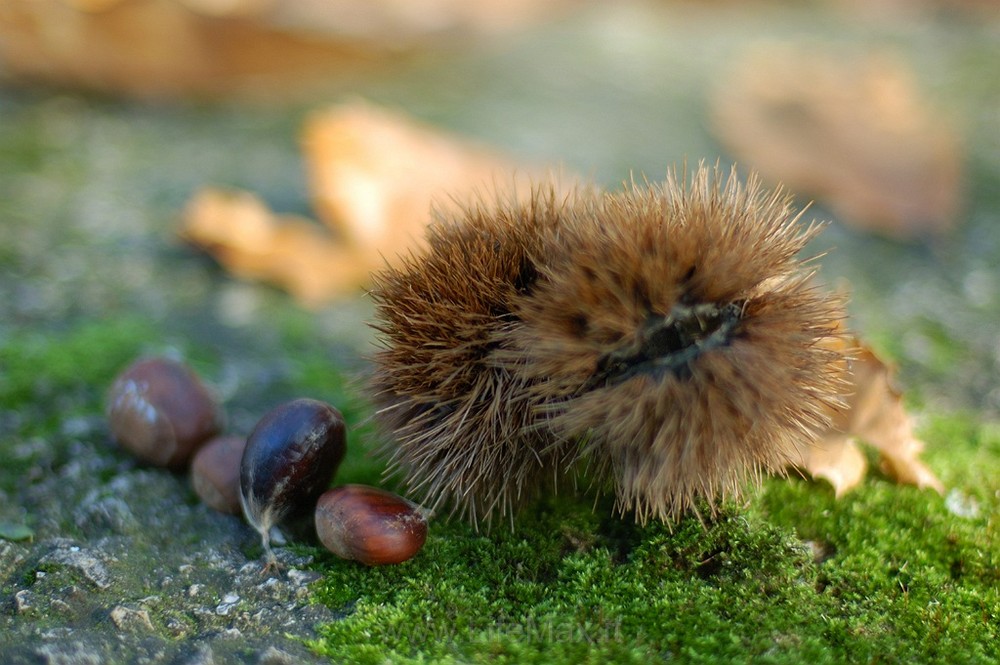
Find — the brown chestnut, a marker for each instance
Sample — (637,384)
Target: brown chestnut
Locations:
(215,473)
(159,410)
(370,525)
(290,458)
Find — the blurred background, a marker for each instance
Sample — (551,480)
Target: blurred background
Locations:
(115,113)
(213,180)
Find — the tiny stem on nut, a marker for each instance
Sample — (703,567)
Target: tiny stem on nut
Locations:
(423,511)
(271,562)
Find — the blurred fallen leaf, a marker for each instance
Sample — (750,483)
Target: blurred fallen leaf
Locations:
(251,242)
(855,133)
(895,9)
(375,175)
(165,48)
(873,414)
(375,178)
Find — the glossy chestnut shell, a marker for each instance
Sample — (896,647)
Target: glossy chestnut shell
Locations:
(290,458)
(369,525)
(215,473)
(160,411)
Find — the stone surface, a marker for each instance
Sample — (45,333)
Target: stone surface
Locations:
(149,574)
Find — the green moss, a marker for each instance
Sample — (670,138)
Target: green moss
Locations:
(37,366)
(15,531)
(886,574)
(48,378)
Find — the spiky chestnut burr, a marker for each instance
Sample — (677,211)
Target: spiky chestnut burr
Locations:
(675,333)
(667,336)
(451,407)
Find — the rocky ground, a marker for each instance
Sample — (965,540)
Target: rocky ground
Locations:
(141,573)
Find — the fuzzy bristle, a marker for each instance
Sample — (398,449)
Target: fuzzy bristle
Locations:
(667,337)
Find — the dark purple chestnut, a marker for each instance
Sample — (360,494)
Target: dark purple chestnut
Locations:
(290,458)
(370,525)
(215,473)
(160,411)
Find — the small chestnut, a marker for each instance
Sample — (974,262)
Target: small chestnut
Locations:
(215,473)
(370,525)
(159,410)
(290,458)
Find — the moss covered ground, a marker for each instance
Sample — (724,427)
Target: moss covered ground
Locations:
(885,574)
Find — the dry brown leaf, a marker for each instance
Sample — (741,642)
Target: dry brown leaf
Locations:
(256,48)
(874,414)
(906,9)
(290,252)
(162,48)
(854,132)
(375,176)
